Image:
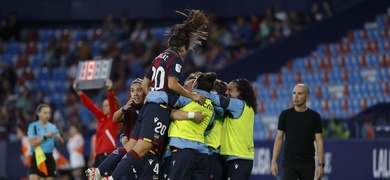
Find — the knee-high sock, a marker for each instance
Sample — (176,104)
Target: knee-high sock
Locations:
(125,165)
(112,160)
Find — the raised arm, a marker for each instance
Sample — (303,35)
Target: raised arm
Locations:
(88,102)
(118,115)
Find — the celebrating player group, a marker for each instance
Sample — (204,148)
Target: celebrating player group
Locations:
(202,129)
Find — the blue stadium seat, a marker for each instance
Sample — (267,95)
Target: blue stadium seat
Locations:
(60,74)
(354,77)
(7,59)
(129,81)
(288,78)
(36,60)
(12,48)
(122,96)
(60,86)
(42,85)
(77,34)
(357,47)
(373,34)
(298,64)
(43,74)
(383,74)
(96,47)
(46,34)
(58,99)
(85,115)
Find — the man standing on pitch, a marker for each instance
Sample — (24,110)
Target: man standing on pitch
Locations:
(302,126)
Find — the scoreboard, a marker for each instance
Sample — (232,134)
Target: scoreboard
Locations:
(92,74)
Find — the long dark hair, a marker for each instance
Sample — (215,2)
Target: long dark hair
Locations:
(190,32)
(206,81)
(246,92)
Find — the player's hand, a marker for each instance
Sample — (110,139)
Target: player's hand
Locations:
(109,85)
(124,140)
(274,169)
(320,172)
(198,116)
(74,85)
(75,88)
(128,104)
(199,97)
(49,134)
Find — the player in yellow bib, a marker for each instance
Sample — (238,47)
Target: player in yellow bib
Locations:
(237,143)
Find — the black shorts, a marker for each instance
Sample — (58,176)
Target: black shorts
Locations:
(153,125)
(239,169)
(50,165)
(188,164)
(149,167)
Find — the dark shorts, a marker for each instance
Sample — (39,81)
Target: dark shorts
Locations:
(50,165)
(149,167)
(165,167)
(216,163)
(239,169)
(188,164)
(153,125)
(302,171)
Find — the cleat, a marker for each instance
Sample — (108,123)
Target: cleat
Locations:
(93,174)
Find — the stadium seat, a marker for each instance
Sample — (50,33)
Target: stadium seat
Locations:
(8,59)
(46,34)
(43,74)
(60,86)
(58,99)
(36,60)
(12,48)
(60,74)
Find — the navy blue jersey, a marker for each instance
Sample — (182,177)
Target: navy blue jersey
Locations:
(165,65)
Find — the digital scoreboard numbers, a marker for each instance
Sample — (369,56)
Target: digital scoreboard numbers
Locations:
(93,74)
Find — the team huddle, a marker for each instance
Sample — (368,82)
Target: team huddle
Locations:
(201,130)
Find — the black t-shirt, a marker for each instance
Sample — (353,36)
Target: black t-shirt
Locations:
(300,129)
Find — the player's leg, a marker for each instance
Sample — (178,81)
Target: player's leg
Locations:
(182,163)
(215,166)
(149,167)
(201,170)
(239,169)
(140,149)
(165,167)
(154,125)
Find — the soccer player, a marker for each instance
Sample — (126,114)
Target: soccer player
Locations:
(302,127)
(237,132)
(163,75)
(213,138)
